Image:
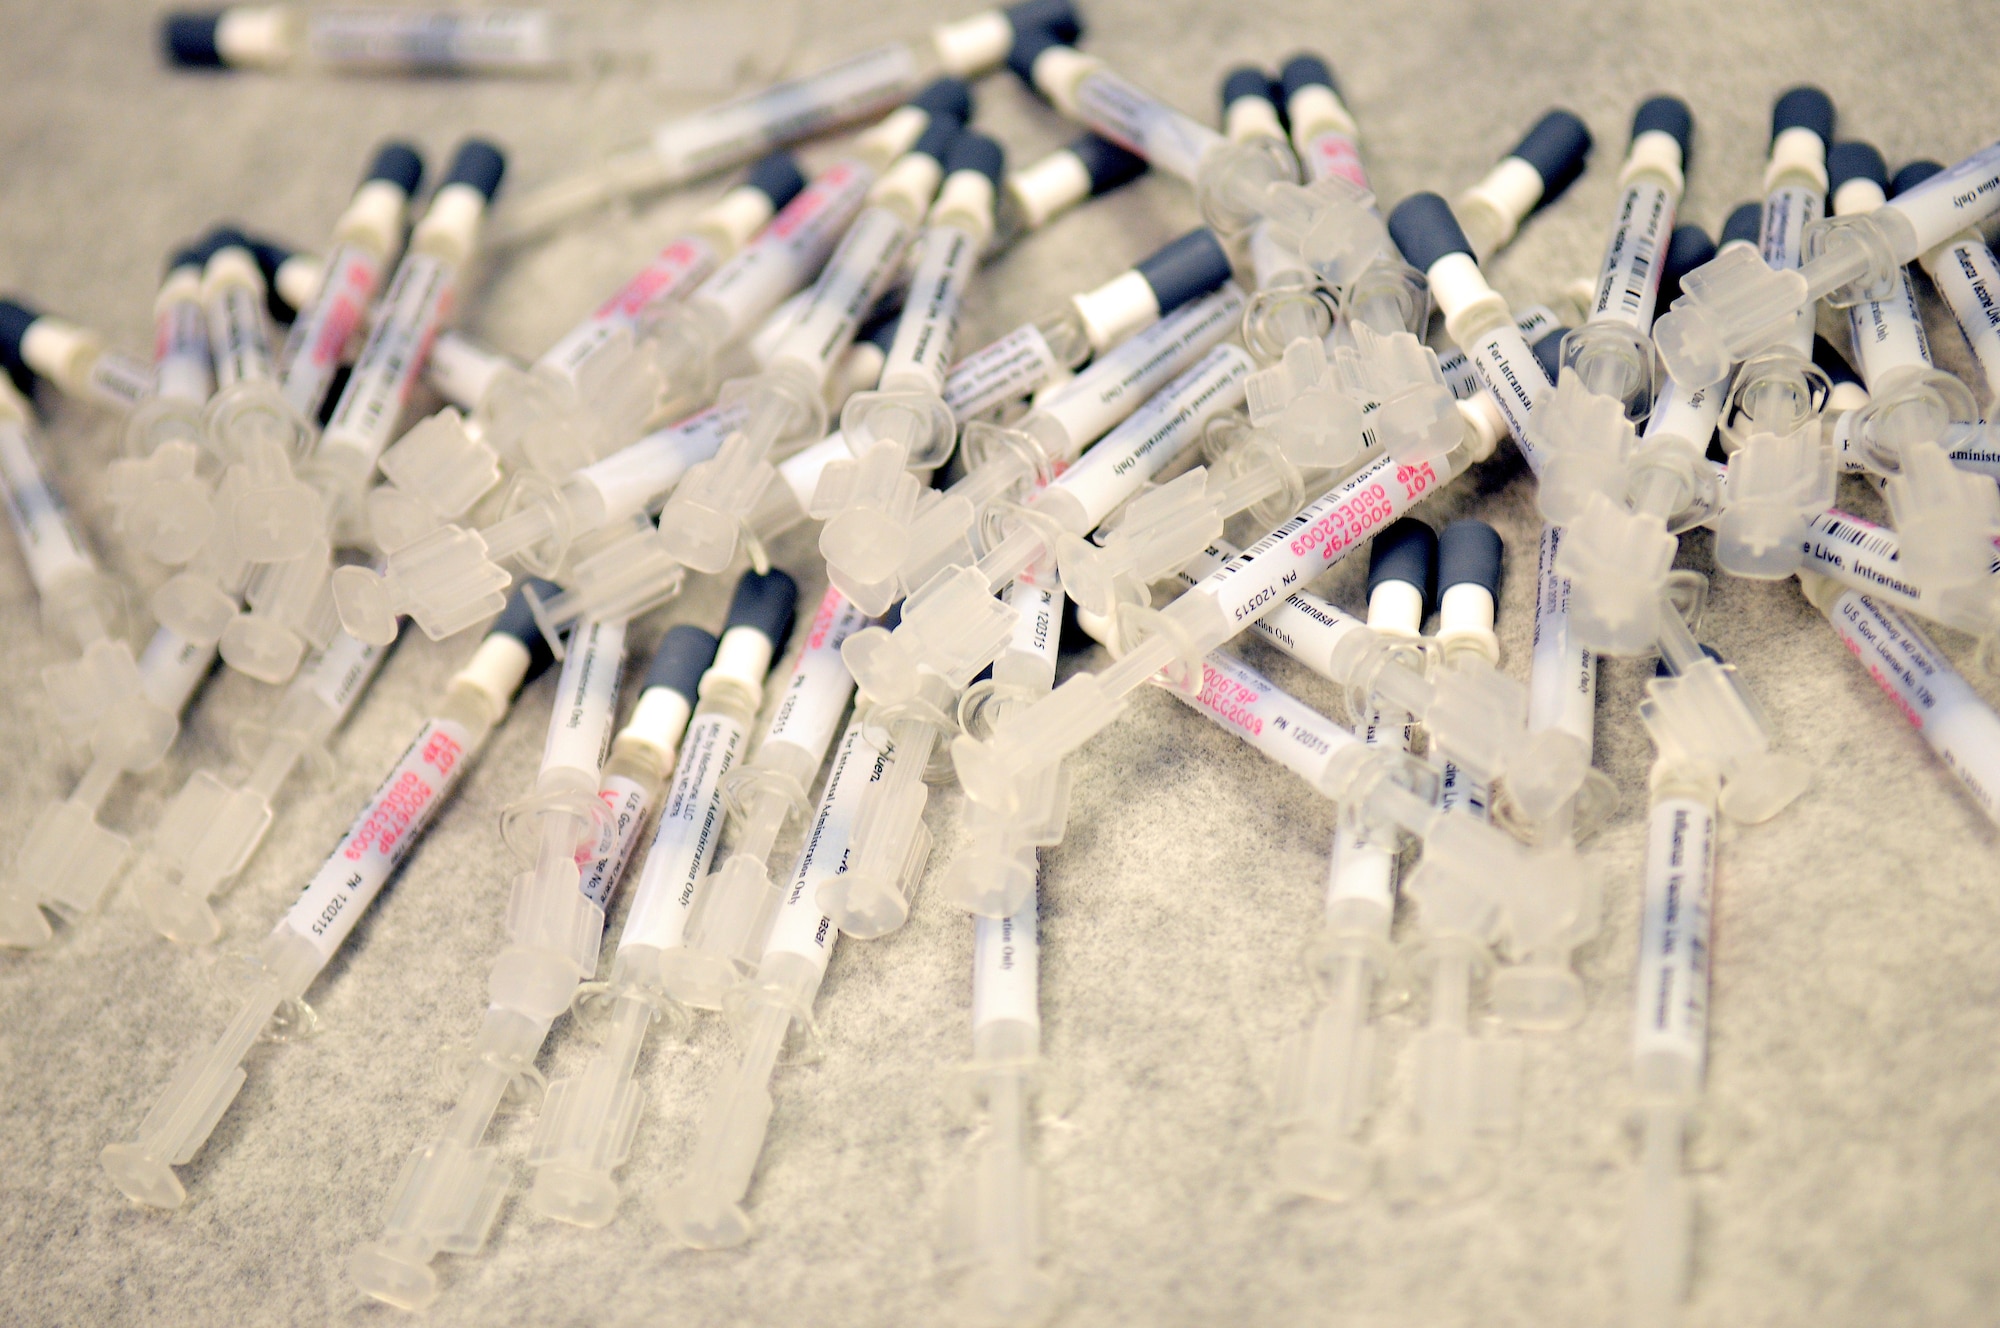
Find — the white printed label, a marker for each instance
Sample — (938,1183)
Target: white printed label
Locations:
(633,478)
(237,339)
(1005,964)
(1969,279)
(1628,283)
(1913,672)
(1459,791)
(1954,199)
(1036,598)
(859,272)
(690,826)
(1889,334)
(441,40)
(603,863)
(1672,1008)
(586,699)
(1332,155)
(418,302)
(341,671)
(1787,213)
(1137,122)
(119,381)
(321,335)
(1305,626)
(172,667)
(1562,675)
(1260,578)
(1277,724)
(41,523)
(1459,375)
(1679,413)
(380,838)
(786,253)
(674,271)
(1159,431)
(736,131)
(1115,384)
(800,928)
(1514,378)
(994,375)
(946,257)
(1862,554)
(810,707)
(181,370)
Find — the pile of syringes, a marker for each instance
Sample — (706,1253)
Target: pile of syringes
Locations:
(923,538)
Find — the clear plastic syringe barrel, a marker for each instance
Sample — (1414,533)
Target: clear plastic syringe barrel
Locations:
(1735,303)
(79,601)
(994,1210)
(313,929)
(1670,1032)
(727,135)
(446,1196)
(1611,351)
(733,910)
(183,376)
(704,1209)
(210,829)
(519,41)
(909,411)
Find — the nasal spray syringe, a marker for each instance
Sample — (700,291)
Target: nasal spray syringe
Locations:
(1326,1072)
(785,406)
(449,1189)
(730,917)
(585,1132)
(1670,1024)
(1962,268)
(739,131)
(1736,304)
(589,394)
(513,40)
(307,937)
(73,358)
(705,1208)
(210,829)
(904,424)
(1547,160)
(585,1119)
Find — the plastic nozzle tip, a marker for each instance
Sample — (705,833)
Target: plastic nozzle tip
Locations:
(766,602)
(684,655)
(15,320)
(1425,230)
(1665,115)
(188,255)
(1186,269)
(517,620)
(1687,249)
(1305,70)
(1244,81)
(1913,175)
(1028,48)
(1804,108)
(477,164)
(1405,550)
(1057,17)
(1833,364)
(778,178)
(1746,223)
(1470,553)
(1107,164)
(945,98)
(188,39)
(1557,147)
(1548,353)
(880,329)
(271,256)
(1856,161)
(397,163)
(977,152)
